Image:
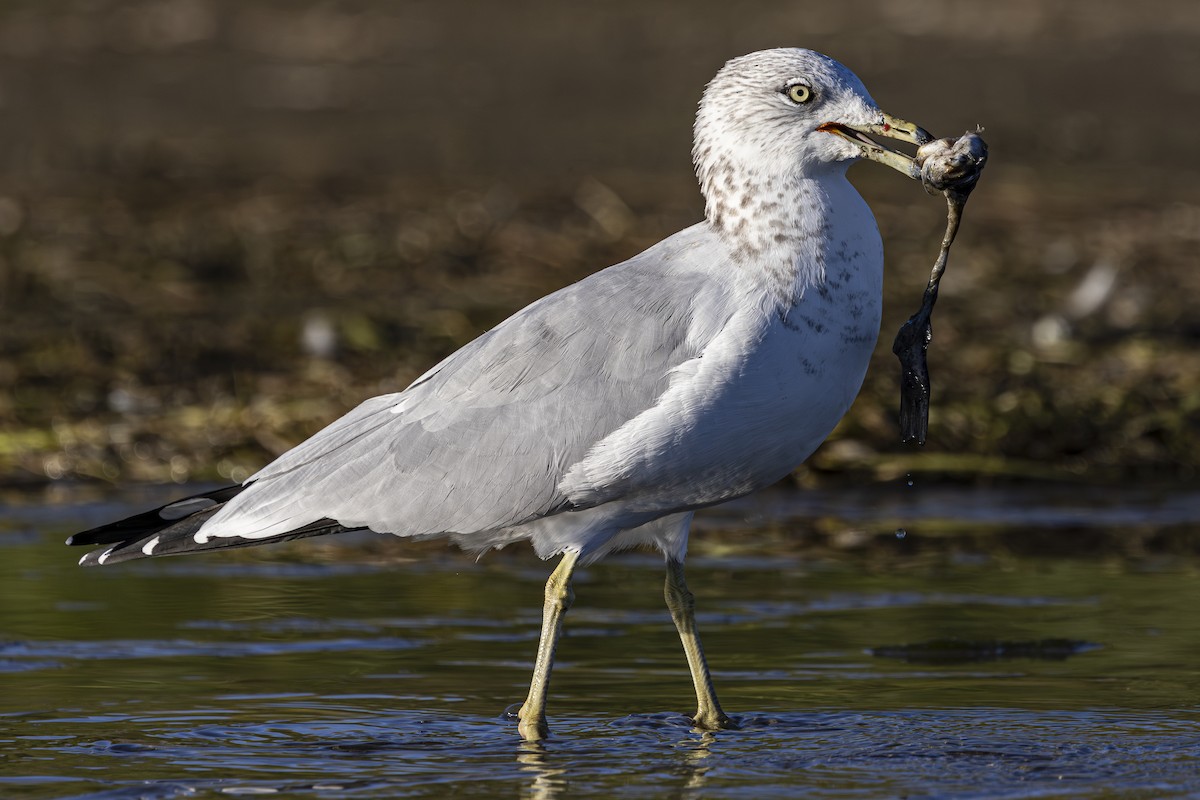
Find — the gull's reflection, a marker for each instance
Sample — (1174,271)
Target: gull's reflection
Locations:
(690,761)
(695,753)
(548,782)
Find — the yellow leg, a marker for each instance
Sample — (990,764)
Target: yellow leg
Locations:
(532,716)
(709,715)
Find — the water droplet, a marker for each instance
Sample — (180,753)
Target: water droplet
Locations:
(901,533)
(908,478)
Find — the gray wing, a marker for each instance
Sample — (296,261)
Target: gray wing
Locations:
(482,441)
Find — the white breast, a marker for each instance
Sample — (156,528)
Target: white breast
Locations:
(767,390)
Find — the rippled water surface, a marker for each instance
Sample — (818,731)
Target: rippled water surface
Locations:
(920,643)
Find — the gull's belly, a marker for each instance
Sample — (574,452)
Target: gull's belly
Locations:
(795,386)
(772,396)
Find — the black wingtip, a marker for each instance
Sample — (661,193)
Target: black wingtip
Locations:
(149,522)
(179,539)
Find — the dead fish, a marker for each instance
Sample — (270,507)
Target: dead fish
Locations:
(952,167)
(952,164)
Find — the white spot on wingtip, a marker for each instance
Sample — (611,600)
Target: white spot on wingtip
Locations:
(104,556)
(148,547)
(83,559)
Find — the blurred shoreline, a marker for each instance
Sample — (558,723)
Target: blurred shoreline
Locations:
(222,225)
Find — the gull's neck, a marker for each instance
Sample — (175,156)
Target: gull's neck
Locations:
(776,224)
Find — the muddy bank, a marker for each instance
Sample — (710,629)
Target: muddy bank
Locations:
(222,225)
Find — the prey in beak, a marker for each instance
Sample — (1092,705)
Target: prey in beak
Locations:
(891,128)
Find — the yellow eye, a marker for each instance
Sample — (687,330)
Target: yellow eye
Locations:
(798,93)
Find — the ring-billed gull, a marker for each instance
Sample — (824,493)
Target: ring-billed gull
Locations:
(604,415)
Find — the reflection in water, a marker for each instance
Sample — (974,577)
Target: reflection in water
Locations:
(696,751)
(554,765)
(547,782)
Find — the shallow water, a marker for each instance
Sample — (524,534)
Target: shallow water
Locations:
(1008,644)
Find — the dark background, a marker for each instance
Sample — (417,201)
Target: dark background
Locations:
(224,223)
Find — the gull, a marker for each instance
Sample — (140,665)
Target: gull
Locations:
(604,415)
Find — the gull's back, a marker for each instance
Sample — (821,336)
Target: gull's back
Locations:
(483,440)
